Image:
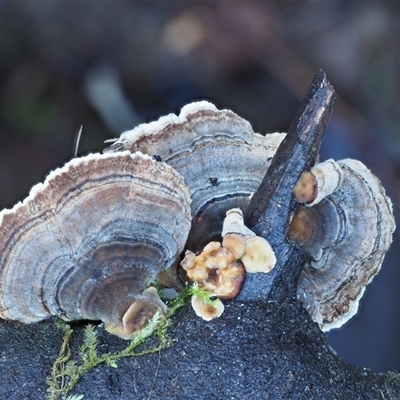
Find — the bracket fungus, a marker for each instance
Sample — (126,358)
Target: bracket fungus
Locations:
(223,162)
(347,235)
(217,152)
(86,243)
(108,224)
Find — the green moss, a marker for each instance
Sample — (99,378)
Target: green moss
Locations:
(66,372)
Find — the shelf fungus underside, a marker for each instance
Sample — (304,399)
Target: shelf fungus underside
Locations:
(87,242)
(347,235)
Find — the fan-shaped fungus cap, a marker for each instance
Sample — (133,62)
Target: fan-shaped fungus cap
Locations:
(316,228)
(347,234)
(205,310)
(216,151)
(90,239)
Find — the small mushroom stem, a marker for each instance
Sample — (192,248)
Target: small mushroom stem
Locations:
(272,205)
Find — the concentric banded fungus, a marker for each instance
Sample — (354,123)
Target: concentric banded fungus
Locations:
(220,157)
(223,162)
(86,243)
(347,234)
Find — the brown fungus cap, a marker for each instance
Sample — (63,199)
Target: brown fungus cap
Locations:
(305,190)
(315,228)
(323,179)
(139,313)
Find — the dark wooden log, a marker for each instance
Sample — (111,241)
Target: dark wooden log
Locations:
(273,205)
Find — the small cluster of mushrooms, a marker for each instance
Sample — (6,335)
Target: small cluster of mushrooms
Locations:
(165,202)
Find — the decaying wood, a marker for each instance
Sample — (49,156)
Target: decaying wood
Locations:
(272,205)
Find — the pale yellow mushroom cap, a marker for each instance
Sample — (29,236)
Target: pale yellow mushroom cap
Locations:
(329,176)
(235,232)
(236,243)
(205,310)
(216,270)
(258,256)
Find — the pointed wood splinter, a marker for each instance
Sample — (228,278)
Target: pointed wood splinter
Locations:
(272,205)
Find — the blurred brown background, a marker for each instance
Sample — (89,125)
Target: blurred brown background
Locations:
(109,66)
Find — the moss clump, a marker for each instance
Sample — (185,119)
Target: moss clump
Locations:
(66,372)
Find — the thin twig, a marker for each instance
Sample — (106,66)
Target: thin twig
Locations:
(77,141)
(155,375)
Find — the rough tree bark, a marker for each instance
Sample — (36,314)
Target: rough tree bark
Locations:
(264,346)
(272,205)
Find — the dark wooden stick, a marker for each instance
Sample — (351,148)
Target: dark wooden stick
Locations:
(272,206)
